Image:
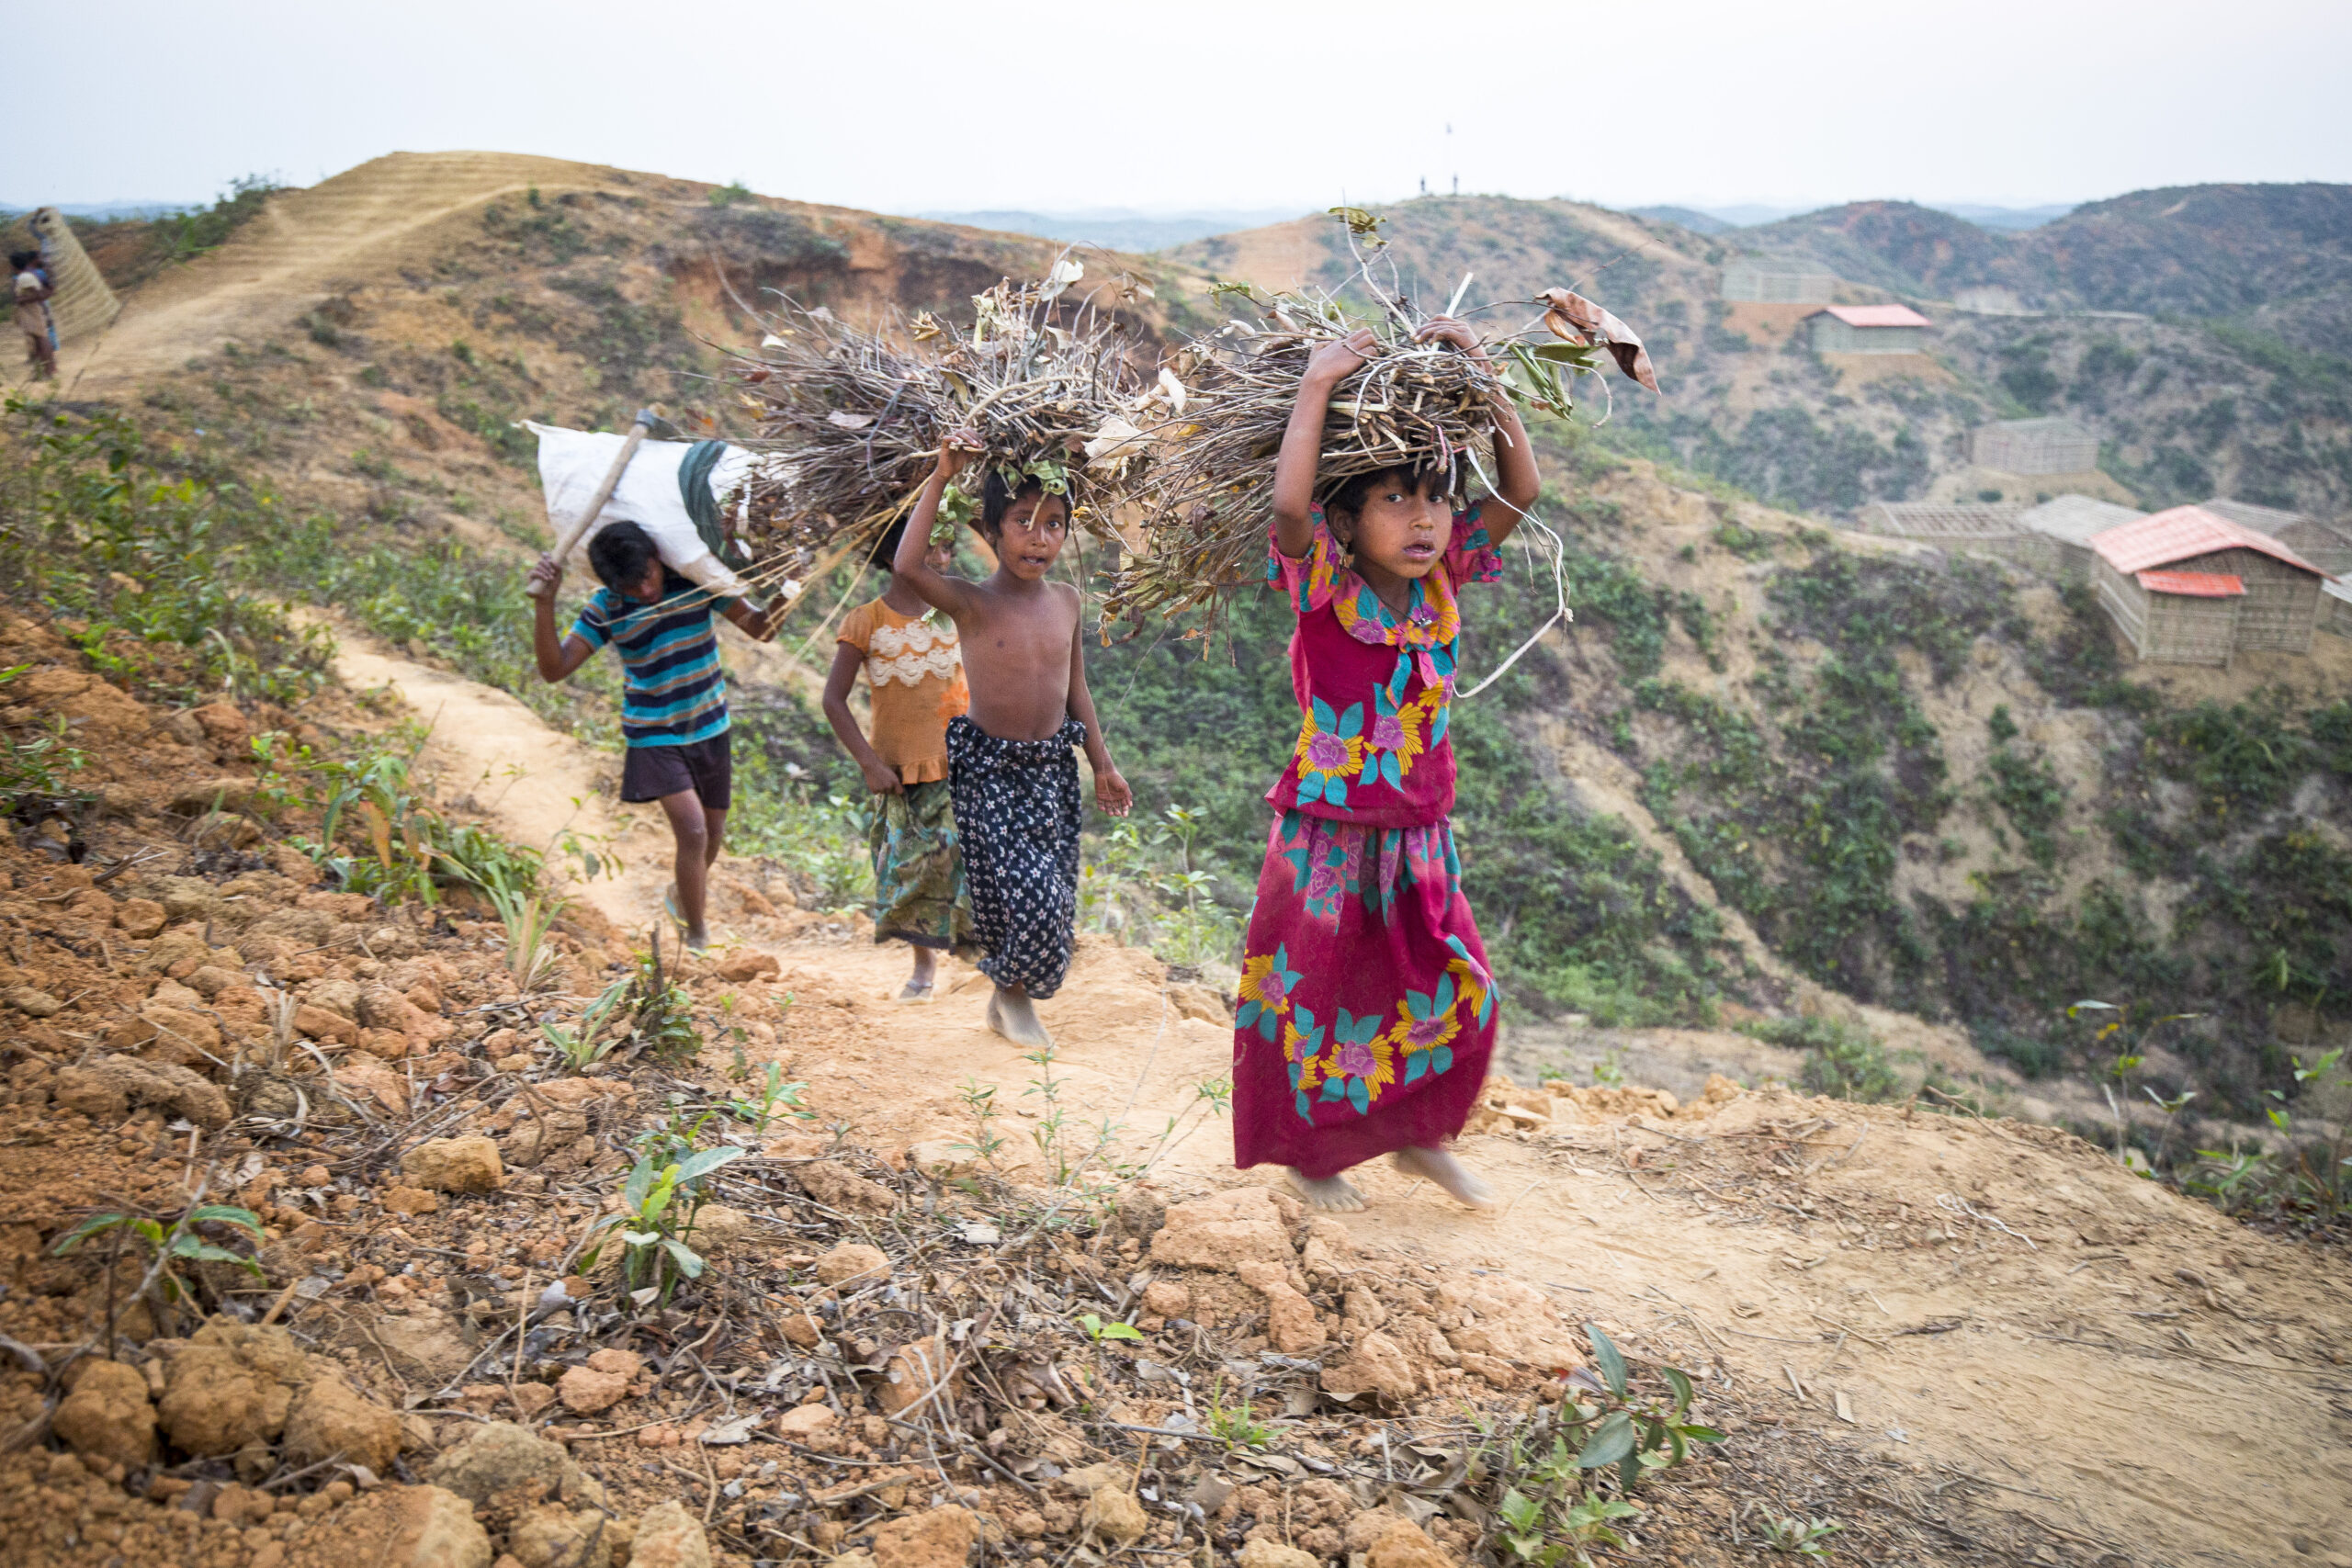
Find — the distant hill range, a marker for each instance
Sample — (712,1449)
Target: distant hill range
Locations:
(2203,334)
(1723,219)
(100,211)
(1116,230)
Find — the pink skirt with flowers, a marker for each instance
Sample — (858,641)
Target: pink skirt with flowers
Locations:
(1367,1013)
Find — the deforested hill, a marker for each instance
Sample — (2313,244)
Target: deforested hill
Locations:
(1770,765)
(1930,782)
(2204,334)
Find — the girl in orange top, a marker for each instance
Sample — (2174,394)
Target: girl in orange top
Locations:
(915,671)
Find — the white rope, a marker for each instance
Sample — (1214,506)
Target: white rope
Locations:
(1558,551)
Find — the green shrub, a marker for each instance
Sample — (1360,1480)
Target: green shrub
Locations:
(1840,1060)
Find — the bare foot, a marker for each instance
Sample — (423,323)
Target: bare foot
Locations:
(1010,1015)
(1333,1194)
(1441,1166)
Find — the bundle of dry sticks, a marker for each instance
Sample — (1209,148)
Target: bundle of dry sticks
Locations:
(1208,494)
(1046,380)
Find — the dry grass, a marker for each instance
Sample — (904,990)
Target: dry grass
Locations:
(1208,495)
(854,419)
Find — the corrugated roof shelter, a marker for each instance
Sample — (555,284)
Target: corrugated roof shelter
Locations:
(2164,622)
(1779,280)
(2324,545)
(2034,447)
(1869,329)
(2064,525)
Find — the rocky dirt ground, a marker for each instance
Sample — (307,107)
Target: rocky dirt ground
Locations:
(1961,1340)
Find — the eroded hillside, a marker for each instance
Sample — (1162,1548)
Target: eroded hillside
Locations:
(2200,332)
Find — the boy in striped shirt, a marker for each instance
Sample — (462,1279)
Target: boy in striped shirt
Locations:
(673,693)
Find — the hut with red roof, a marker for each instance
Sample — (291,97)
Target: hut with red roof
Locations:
(1868,328)
(2191,586)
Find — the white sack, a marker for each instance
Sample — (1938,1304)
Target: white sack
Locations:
(572,463)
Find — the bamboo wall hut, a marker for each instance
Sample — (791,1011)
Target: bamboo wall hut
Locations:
(2064,525)
(2144,566)
(1982,529)
(2335,607)
(2324,545)
(2034,447)
(1779,280)
(1869,329)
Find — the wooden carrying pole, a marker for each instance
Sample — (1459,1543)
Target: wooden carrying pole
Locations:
(582,523)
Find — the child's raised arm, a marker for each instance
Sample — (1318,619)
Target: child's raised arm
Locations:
(949,594)
(1516,480)
(1302,452)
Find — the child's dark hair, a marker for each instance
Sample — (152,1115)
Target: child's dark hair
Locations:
(997,498)
(619,554)
(23,259)
(1426,478)
(886,549)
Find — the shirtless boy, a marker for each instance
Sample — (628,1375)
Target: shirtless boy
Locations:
(1010,768)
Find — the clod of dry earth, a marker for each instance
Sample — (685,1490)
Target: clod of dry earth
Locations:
(108,1416)
(668,1537)
(455,1165)
(941,1538)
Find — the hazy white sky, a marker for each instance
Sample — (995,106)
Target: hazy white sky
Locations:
(1206,103)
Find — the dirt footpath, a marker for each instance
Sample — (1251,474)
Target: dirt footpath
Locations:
(1988,1300)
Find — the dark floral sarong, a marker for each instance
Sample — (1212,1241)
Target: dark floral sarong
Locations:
(1017,819)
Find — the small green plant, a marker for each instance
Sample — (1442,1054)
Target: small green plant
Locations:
(1237,1426)
(1553,1512)
(661,1011)
(531,960)
(979,1103)
(168,1248)
(2127,1064)
(34,770)
(1051,1134)
(1793,1537)
(1610,1071)
(1633,1432)
(1528,1533)
(593,1038)
(1098,1330)
(660,1198)
(778,1100)
(732,192)
(2311,1176)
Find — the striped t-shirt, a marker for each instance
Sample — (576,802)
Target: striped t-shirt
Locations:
(673,691)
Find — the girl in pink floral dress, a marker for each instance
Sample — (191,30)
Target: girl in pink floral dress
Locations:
(1367,1012)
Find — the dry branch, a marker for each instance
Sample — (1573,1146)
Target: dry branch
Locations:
(853,418)
(1228,397)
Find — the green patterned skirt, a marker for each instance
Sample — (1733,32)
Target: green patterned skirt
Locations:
(918,893)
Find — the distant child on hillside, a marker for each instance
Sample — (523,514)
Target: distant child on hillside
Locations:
(30,282)
(1010,768)
(1367,1010)
(673,693)
(915,669)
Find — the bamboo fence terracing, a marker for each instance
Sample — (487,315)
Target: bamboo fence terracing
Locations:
(854,419)
(1208,493)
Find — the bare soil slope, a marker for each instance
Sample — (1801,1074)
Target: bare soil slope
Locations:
(1985,1299)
